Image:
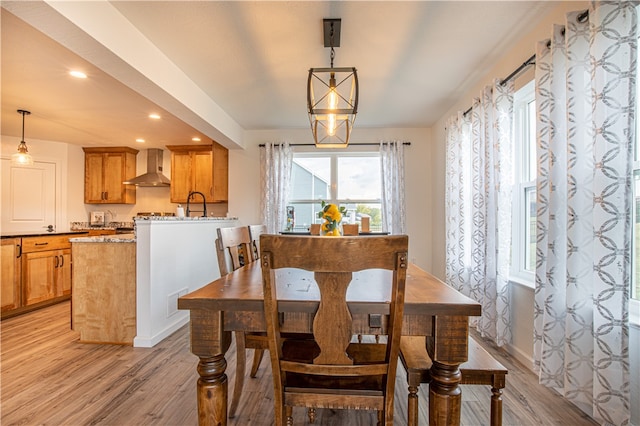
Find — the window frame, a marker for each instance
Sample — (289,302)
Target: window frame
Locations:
(522,185)
(334,155)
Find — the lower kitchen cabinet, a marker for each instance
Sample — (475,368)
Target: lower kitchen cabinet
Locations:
(36,271)
(46,275)
(11,273)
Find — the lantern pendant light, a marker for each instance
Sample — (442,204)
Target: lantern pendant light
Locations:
(332,96)
(22,157)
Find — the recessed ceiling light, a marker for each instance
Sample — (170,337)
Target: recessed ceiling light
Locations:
(195,139)
(154,116)
(77,74)
(140,140)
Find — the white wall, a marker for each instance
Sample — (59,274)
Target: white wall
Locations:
(522,296)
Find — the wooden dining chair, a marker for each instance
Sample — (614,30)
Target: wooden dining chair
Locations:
(332,370)
(236,242)
(254,234)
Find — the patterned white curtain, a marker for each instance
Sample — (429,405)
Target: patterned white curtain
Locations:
(479,178)
(276,160)
(393,206)
(585,97)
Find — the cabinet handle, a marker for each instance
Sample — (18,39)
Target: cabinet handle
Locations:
(106,195)
(57,261)
(61,261)
(42,244)
(19,251)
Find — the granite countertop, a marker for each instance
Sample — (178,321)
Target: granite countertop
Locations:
(181,219)
(85,226)
(120,238)
(40,234)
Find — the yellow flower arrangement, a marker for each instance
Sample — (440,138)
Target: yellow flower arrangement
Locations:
(332,216)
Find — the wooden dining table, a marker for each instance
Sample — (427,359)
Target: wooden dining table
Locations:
(235,302)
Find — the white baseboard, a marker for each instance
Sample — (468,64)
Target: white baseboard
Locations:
(521,356)
(151,341)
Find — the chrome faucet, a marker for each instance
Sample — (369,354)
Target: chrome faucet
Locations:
(192,194)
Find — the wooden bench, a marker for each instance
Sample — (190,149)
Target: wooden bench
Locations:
(480,369)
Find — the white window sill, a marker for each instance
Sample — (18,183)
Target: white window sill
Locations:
(524,282)
(634,304)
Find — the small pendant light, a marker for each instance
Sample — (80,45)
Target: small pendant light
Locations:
(22,157)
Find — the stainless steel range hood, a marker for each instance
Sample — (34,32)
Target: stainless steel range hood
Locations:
(154,176)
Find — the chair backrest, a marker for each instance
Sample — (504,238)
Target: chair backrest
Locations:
(254,234)
(333,261)
(233,248)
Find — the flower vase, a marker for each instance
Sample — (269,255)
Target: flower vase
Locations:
(329,229)
(331,216)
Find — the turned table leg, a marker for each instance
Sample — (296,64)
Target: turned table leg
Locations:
(212,391)
(444,395)
(448,348)
(209,342)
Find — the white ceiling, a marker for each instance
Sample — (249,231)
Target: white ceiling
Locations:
(217,68)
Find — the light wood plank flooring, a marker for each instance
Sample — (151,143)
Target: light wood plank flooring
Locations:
(49,378)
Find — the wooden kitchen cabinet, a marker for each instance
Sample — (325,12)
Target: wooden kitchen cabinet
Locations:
(11,273)
(46,269)
(36,272)
(202,168)
(104,171)
(220,173)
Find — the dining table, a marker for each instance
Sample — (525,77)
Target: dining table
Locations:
(235,302)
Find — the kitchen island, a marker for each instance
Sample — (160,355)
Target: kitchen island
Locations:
(104,289)
(173,256)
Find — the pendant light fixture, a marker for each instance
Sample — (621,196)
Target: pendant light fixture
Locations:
(22,157)
(332,96)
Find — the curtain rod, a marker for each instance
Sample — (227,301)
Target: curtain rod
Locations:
(582,17)
(351,144)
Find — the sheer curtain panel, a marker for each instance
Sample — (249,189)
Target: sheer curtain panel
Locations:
(585,100)
(393,206)
(276,160)
(479,178)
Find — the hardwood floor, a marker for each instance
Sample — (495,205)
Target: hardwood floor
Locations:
(49,378)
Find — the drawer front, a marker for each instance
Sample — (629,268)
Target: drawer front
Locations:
(33,244)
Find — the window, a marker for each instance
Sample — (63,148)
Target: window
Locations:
(523,263)
(352,180)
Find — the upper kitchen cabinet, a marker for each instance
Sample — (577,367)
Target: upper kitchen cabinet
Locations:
(201,168)
(104,171)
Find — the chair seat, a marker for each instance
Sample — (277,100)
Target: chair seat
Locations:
(304,351)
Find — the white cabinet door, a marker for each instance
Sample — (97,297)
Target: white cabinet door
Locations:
(28,196)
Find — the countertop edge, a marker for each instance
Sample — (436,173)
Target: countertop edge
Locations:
(40,234)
